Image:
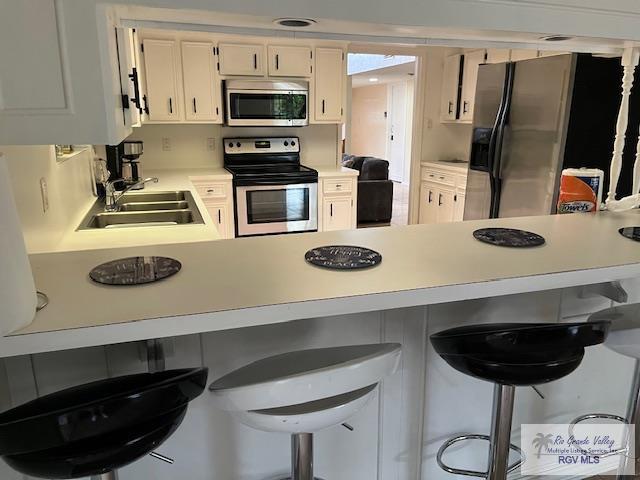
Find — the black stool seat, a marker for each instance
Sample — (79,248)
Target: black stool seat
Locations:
(98,427)
(517,353)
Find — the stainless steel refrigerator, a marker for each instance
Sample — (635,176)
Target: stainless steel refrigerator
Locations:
(533,118)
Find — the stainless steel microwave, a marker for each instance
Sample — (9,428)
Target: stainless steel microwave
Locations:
(260,103)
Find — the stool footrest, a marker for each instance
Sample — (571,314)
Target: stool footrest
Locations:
(599,416)
(473,473)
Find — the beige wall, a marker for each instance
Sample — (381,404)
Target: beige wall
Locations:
(69,191)
(319,144)
(368,121)
(441,141)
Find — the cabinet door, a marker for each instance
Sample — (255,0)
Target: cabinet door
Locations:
(458,210)
(221,217)
(450,84)
(289,61)
(236,59)
(328,84)
(129,76)
(523,54)
(201,84)
(498,55)
(472,61)
(160,60)
(428,205)
(338,214)
(446,205)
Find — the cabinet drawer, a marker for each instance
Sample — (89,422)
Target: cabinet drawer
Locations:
(439,177)
(213,190)
(338,185)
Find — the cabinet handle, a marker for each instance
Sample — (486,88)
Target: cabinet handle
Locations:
(331,209)
(170,105)
(465,106)
(323,106)
(277,62)
(431,175)
(255,61)
(430,194)
(455,198)
(450,108)
(195,109)
(146,104)
(441,178)
(439,199)
(211,190)
(338,186)
(219,216)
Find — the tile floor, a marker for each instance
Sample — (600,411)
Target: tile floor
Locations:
(400,212)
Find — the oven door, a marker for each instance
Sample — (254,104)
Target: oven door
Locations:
(276,207)
(280,108)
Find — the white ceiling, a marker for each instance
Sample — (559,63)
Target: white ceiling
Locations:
(385,75)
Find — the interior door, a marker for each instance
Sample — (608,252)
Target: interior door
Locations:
(397,131)
(532,149)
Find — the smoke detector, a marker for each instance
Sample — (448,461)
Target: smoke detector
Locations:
(294,22)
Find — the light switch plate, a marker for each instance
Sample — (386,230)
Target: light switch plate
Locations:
(166,144)
(44,193)
(211,144)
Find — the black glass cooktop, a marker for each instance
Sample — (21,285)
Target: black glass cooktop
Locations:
(272,170)
(509,237)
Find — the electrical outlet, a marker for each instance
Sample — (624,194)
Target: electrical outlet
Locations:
(44,193)
(166,144)
(211,144)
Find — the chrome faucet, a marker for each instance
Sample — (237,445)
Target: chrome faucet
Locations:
(112,197)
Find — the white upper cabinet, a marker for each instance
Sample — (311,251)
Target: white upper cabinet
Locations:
(450,87)
(130,77)
(523,54)
(498,55)
(289,61)
(202,92)
(472,60)
(239,59)
(161,73)
(329,85)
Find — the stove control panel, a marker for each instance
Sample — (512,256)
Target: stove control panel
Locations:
(261,145)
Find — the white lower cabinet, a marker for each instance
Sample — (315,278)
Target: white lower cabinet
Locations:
(442,196)
(337,203)
(217,196)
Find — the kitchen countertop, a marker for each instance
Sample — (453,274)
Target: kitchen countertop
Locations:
(92,239)
(454,167)
(261,280)
(332,171)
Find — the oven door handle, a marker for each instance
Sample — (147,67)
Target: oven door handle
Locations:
(288,181)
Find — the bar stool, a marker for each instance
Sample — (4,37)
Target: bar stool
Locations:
(94,429)
(624,338)
(510,355)
(305,391)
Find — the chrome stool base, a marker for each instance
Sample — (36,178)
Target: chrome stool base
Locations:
(473,473)
(499,440)
(106,476)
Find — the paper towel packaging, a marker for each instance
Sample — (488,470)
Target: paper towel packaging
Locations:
(17,290)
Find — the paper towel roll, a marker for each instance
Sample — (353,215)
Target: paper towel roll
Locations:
(17,290)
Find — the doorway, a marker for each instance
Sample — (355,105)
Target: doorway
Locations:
(381,92)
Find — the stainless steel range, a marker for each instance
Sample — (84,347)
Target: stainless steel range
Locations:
(273,192)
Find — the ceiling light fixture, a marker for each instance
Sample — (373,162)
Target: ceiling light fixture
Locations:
(294,22)
(556,38)
(373,79)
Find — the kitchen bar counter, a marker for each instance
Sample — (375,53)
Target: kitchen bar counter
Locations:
(252,281)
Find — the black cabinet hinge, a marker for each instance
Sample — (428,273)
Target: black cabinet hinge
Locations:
(342,56)
(218,66)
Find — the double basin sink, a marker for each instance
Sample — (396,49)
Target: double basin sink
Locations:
(139,209)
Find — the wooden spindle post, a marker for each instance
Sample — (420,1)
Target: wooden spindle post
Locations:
(629,62)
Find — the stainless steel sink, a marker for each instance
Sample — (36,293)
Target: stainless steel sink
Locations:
(147,206)
(144,209)
(176,196)
(136,219)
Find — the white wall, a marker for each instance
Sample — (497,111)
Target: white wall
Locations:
(319,144)
(68,184)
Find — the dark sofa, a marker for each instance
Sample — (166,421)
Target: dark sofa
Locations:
(375,190)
